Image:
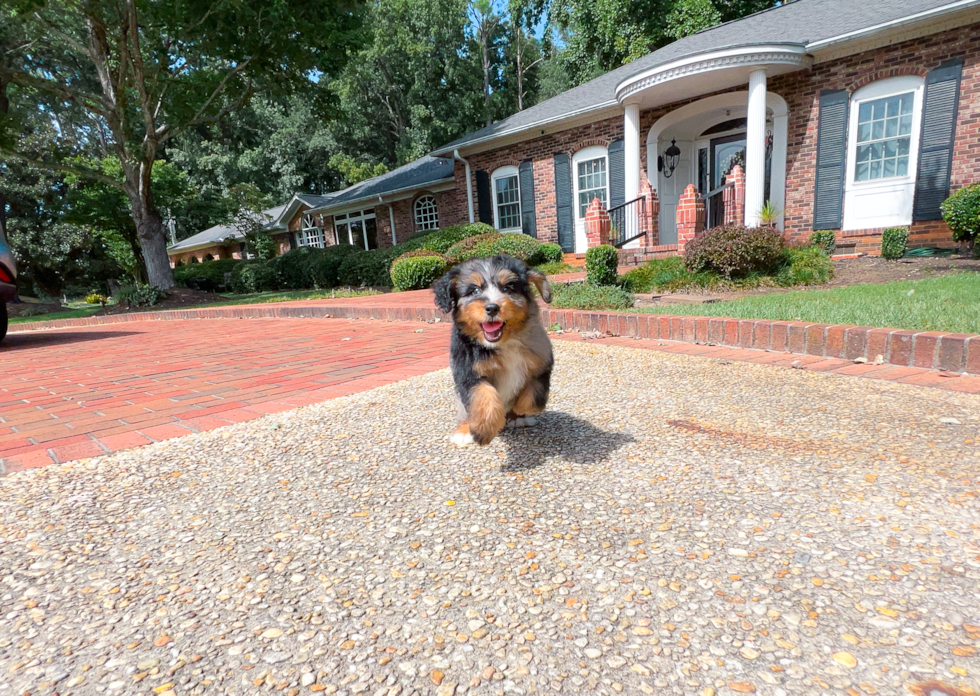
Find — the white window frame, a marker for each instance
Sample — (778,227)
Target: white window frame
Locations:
(347,219)
(427,219)
(310,234)
(887,202)
(584,155)
(499,174)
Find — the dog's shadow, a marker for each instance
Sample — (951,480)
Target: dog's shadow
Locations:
(559,434)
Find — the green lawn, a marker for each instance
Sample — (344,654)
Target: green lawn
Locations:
(947,303)
(247,298)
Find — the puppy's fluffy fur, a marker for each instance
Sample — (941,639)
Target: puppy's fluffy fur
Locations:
(500,354)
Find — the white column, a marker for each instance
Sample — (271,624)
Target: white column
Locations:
(755,149)
(631,150)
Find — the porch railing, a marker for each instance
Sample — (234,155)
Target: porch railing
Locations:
(627,222)
(714,202)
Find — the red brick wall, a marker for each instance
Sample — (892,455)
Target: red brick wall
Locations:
(218,251)
(801,92)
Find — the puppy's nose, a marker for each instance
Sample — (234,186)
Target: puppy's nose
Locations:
(491,309)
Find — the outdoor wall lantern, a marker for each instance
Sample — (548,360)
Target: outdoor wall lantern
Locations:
(667,162)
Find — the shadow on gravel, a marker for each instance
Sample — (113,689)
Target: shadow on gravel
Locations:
(559,434)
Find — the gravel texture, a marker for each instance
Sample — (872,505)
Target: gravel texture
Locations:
(673,525)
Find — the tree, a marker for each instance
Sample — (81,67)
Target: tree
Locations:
(486,27)
(144,72)
(525,49)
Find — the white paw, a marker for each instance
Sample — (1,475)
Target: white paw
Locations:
(461,439)
(524,422)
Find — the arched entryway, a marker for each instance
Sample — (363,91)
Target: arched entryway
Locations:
(710,134)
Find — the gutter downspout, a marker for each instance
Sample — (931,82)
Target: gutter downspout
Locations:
(469,184)
(391,219)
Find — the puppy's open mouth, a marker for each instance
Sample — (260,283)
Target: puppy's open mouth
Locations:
(492,330)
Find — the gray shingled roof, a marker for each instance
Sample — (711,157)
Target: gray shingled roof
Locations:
(219,233)
(804,22)
(420,173)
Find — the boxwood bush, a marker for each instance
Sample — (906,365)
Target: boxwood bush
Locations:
(601,263)
(440,240)
(961,211)
(552,253)
(516,244)
(894,240)
(417,270)
(826,240)
(734,250)
(214,271)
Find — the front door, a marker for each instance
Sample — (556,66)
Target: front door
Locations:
(726,152)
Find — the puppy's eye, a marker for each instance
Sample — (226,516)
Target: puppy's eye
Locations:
(475,290)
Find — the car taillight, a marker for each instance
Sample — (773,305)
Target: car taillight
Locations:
(4,276)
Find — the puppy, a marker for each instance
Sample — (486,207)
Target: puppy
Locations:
(500,353)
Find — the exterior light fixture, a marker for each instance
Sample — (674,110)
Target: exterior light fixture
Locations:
(667,162)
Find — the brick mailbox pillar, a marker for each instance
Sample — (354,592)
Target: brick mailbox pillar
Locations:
(690,217)
(735,197)
(597,224)
(650,210)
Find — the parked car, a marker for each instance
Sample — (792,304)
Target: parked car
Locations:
(8,281)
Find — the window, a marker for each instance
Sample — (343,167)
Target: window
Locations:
(426,213)
(310,235)
(884,137)
(358,229)
(506,199)
(591,183)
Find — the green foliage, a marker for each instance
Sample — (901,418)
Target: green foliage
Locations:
(138,295)
(442,239)
(601,263)
(691,16)
(556,268)
(214,271)
(894,241)
(826,240)
(552,253)
(804,265)
(769,214)
(254,276)
(323,265)
(515,244)
(734,251)
(354,171)
(664,275)
(961,211)
(96,298)
(417,272)
(588,296)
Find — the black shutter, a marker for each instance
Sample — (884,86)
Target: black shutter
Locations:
(940,104)
(617,173)
(828,197)
(563,202)
(484,197)
(526,174)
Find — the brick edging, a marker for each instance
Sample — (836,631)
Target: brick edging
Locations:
(954,352)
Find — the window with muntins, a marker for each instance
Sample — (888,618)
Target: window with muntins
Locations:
(884,137)
(358,229)
(591,183)
(311,235)
(508,194)
(426,213)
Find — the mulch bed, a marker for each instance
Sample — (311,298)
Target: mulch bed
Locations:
(32,309)
(178,298)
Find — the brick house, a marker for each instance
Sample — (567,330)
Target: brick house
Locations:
(846,116)
(225,241)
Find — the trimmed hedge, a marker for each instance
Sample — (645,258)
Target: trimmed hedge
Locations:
(552,253)
(961,211)
(601,263)
(440,240)
(417,272)
(894,241)
(214,271)
(734,250)
(516,244)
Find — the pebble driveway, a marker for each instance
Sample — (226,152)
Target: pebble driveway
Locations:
(673,525)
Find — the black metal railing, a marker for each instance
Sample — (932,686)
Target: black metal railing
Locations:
(627,222)
(714,203)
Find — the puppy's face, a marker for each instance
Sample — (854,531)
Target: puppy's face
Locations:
(491,298)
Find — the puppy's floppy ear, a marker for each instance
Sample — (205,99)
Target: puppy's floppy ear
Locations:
(540,281)
(445,290)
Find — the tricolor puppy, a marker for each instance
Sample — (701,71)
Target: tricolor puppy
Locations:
(500,353)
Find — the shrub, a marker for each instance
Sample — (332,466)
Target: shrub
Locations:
(440,240)
(662,275)
(255,276)
(214,271)
(323,267)
(292,269)
(516,244)
(734,250)
(552,253)
(367,268)
(556,267)
(600,265)
(421,252)
(586,296)
(804,265)
(417,272)
(96,298)
(894,240)
(961,211)
(826,240)
(140,295)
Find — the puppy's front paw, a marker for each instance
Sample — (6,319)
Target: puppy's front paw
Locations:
(525,422)
(461,438)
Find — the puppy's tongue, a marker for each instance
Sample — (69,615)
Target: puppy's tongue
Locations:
(492,326)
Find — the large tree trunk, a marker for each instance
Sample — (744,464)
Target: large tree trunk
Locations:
(149,223)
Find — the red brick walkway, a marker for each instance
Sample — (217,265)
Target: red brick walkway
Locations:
(78,393)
